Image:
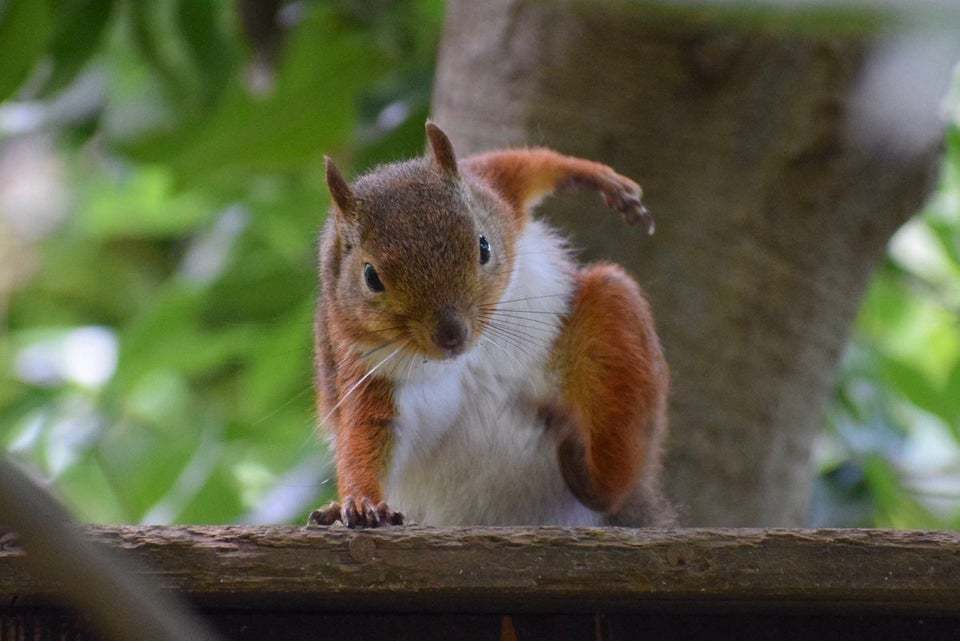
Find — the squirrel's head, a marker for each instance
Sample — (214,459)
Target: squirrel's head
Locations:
(422,253)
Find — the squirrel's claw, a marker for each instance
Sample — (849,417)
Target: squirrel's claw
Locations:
(640,215)
(327,515)
(355,514)
(625,196)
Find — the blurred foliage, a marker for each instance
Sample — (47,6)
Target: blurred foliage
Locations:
(892,454)
(196,195)
(156,367)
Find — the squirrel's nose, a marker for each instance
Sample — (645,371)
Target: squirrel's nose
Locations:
(451,333)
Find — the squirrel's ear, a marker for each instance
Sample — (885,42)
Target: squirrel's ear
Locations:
(339,189)
(441,150)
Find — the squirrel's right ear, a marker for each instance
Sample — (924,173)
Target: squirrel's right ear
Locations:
(441,150)
(339,189)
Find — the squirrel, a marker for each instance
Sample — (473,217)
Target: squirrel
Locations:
(468,370)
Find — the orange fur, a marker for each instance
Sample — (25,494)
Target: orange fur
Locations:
(614,386)
(362,431)
(523,177)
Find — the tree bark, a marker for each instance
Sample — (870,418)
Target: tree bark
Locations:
(771,211)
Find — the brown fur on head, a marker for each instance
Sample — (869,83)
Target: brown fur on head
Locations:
(417,224)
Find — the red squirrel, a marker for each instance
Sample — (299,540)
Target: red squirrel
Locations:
(469,372)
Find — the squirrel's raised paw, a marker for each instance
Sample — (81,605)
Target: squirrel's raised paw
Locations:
(624,195)
(354,513)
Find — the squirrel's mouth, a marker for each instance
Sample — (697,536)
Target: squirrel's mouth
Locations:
(448,337)
(434,352)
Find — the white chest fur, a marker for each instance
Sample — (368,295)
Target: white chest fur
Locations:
(468,447)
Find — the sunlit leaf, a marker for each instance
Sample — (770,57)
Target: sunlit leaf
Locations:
(218,501)
(896,507)
(141,204)
(915,385)
(310,110)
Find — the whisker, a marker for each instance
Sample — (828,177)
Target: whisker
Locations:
(362,379)
(410,361)
(373,351)
(282,406)
(385,329)
(525,338)
(513,339)
(525,333)
(539,321)
(530,330)
(518,300)
(539,253)
(490,341)
(527,311)
(351,355)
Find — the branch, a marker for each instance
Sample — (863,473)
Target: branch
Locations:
(63,561)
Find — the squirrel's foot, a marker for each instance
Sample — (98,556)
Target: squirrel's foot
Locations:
(356,514)
(624,195)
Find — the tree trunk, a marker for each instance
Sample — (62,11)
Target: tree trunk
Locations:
(772,208)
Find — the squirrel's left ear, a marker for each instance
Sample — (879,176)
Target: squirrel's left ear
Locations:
(441,150)
(339,189)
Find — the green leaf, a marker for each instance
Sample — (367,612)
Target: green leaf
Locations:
(952,395)
(948,236)
(79,27)
(279,370)
(90,283)
(25,27)
(887,304)
(259,287)
(142,204)
(170,336)
(88,492)
(155,37)
(311,109)
(913,384)
(896,506)
(142,464)
(214,55)
(218,501)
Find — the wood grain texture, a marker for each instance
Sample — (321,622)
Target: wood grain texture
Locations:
(495,570)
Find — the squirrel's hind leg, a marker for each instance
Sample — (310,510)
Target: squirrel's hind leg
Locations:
(610,414)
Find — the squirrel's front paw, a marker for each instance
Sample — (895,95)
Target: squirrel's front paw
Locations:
(356,514)
(624,195)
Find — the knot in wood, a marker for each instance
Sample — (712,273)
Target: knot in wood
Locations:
(688,560)
(362,548)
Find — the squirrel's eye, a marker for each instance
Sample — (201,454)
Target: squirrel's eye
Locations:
(484,250)
(372,278)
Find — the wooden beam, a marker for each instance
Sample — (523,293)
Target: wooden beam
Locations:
(491,570)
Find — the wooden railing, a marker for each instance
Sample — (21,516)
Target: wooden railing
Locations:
(417,583)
